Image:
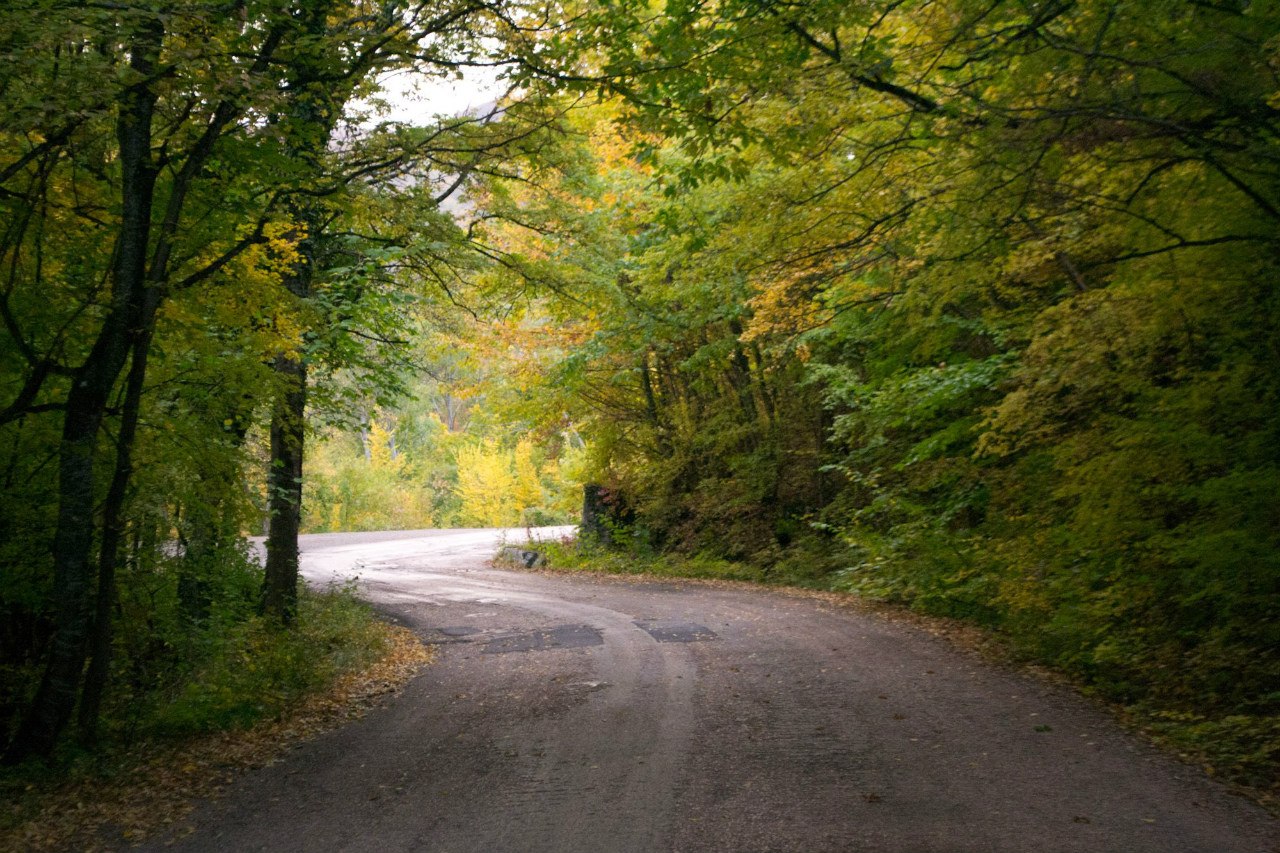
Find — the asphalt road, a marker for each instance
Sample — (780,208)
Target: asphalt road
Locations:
(579,715)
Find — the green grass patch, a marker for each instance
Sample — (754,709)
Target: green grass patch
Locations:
(255,670)
(797,566)
(572,556)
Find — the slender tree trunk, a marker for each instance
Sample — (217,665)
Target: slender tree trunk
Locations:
(288,441)
(95,681)
(767,398)
(739,375)
(660,431)
(73,541)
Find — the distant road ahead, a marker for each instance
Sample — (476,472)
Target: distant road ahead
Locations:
(580,715)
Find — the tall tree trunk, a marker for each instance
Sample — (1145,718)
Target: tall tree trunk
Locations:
(763,387)
(95,681)
(316,97)
(739,375)
(284,492)
(73,542)
(86,408)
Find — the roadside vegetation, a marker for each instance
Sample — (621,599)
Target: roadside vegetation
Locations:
(231,695)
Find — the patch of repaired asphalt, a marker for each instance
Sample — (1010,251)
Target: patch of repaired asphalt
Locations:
(454,634)
(459,631)
(559,637)
(667,631)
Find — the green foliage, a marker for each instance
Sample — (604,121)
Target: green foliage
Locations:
(575,556)
(408,468)
(958,304)
(196,656)
(365,487)
(253,670)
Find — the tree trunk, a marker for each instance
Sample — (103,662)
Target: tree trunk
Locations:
(595,515)
(95,681)
(316,97)
(73,541)
(284,492)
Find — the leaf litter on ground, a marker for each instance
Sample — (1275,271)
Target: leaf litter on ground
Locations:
(155,786)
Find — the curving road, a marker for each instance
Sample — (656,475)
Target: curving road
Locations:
(581,715)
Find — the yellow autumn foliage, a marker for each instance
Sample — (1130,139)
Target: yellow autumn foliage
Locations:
(497,484)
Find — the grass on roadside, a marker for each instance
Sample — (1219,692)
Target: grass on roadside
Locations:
(256,691)
(254,670)
(569,555)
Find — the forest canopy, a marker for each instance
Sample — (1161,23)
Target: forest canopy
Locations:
(967,305)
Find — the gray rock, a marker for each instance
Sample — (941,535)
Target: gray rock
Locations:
(515,555)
